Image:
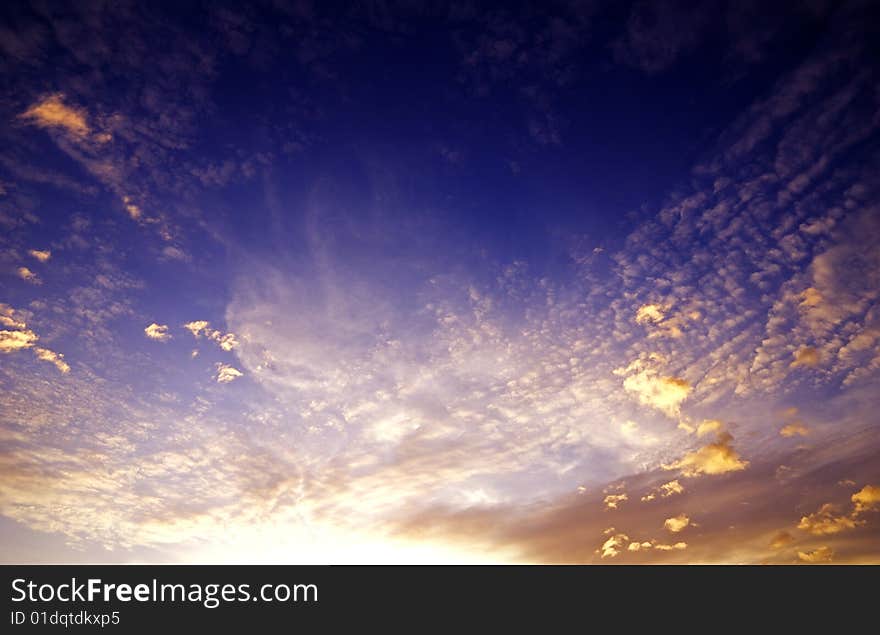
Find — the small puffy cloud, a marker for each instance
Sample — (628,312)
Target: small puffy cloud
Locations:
(9,319)
(806,356)
(639,546)
(716,458)
(16,340)
(652,389)
(28,276)
(200,328)
(866,499)
(781,539)
(665,490)
(175,253)
(196,327)
(709,426)
(42,255)
(670,488)
(227,373)
(826,522)
(21,337)
(614,545)
(134,211)
(52,112)
(677,523)
(55,358)
(158,332)
(794,429)
(821,554)
(664,547)
(649,314)
(613,500)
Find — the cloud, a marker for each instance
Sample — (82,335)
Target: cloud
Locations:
(665,490)
(42,255)
(709,426)
(826,522)
(670,488)
(157,332)
(866,499)
(794,429)
(716,458)
(201,328)
(8,317)
(781,539)
(52,112)
(649,314)
(28,276)
(667,547)
(614,545)
(16,340)
(613,500)
(806,357)
(652,389)
(24,338)
(227,373)
(55,358)
(820,554)
(677,523)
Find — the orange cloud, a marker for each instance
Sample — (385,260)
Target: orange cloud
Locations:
(226,373)
(55,358)
(825,522)
(866,499)
(158,332)
(52,112)
(796,428)
(821,554)
(781,539)
(715,458)
(677,523)
(28,276)
(40,254)
(613,500)
(807,357)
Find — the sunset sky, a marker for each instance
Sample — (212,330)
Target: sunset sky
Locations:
(453,282)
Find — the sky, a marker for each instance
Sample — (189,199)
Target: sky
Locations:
(434,282)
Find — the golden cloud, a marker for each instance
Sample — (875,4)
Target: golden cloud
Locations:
(821,554)
(226,373)
(52,112)
(781,539)
(28,276)
(826,522)
(201,328)
(796,428)
(158,332)
(613,500)
(652,389)
(614,545)
(665,547)
(51,356)
(709,426)
(715,458)
(866,499)
(8,317)
(16,340)
(670,488)
(677,523)
(806,356)
(42,255)
(649,313)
